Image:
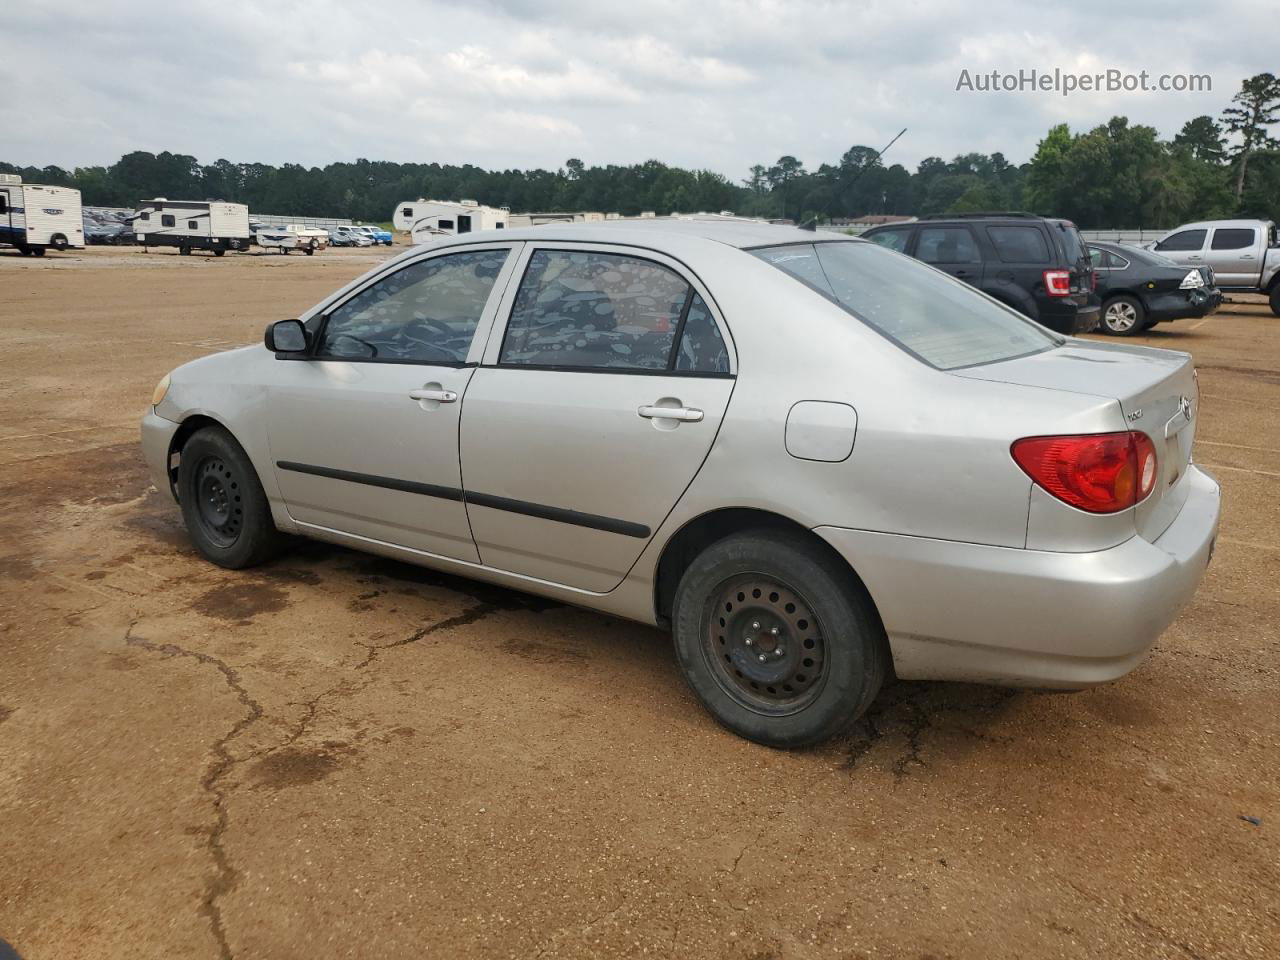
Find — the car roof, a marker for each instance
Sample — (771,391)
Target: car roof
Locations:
(743,234)
(1210,224)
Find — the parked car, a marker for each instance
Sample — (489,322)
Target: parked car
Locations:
(1037,266)
(349,236)
(376,234)
(1243,254)
(1139,289)
(814,460)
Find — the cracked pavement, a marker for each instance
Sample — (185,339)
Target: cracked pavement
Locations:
(339,755)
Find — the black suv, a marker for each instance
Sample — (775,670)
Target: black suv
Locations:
(1039,267)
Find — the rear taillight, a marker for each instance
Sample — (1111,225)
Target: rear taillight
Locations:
(1097,472)
(1057,283)
(1093,280)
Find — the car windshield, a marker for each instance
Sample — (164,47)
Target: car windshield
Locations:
(942,321)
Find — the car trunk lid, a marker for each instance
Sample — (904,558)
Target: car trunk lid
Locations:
(1157,393)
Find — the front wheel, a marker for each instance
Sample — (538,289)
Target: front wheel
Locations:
(223,504)
(1275,299)
(777,639)
(1123,316)
(219,252)
(38,251)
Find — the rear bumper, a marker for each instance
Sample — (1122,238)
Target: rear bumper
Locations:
(962,611)
(1183,304)
(157,435)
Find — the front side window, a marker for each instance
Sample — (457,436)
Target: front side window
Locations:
(947,245)
(145,215)
(426,312)
(1096,257)
(604,311)
(891,239)
(167,220)
(407,212)
(937,319)
(1186,240)
(445,224)
(1022,245)
(1232,238)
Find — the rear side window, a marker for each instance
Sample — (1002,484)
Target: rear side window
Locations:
(609,311)
(891,239)
(1185,240)
(1232,238)
(947,245)
(944,323)
(1019,244)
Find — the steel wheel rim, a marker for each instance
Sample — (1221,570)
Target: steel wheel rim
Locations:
(1121,316)
(218,501)
(764,645)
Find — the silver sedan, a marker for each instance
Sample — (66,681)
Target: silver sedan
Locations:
(817,462)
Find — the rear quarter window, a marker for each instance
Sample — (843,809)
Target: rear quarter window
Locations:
(939,320)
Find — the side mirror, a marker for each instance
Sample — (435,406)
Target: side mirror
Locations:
(286,336)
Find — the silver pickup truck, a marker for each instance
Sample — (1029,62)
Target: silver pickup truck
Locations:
(1243,254)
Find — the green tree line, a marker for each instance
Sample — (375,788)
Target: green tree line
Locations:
(1115,175)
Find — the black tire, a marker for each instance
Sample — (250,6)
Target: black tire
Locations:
(24,249)
(1123,316)
(1275,299)
(59,242)
(223,505)
(219,252)
(184,251)
(37,251)
(780,589)
(311,251)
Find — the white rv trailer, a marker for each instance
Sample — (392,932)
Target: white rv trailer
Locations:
(193,225)
(34,218)
(540,219)
(433,218)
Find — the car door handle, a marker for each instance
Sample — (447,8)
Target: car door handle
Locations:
(1247,256)
(444,396)
(685,414)
(1195,257)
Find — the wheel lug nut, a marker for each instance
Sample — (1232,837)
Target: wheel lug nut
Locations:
(755,625)
(774,631)
(763,658)
(749,641)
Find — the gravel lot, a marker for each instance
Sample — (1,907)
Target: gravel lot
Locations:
(337,755)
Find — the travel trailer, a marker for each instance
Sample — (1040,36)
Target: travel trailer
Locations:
(193,225)
(289,237)
(541,219)
(429,219)
(37,218)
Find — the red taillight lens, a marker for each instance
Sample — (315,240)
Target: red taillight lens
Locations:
(1093,280)
(1097,472)
(1057,283)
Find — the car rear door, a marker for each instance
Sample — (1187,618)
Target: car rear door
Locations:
(364,431)
(953,249)
(1235,254)
(591,412)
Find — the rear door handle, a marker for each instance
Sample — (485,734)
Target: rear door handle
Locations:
(444,396)
(685,414)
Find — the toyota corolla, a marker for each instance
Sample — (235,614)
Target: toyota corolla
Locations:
(816,461)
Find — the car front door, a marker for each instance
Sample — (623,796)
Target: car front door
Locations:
(364,431)
(953,249)
(1235,255)
(591,412)
(1186,247)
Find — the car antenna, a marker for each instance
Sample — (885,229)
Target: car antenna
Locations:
(812,224)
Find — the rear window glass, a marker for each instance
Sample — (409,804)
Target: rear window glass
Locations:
(1019,244)
(1072,244)
(1231,238)
(940,320)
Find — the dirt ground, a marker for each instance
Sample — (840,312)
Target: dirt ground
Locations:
(339,756)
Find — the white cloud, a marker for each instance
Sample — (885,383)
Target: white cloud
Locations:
(500,83)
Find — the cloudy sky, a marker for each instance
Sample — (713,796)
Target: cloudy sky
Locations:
(720,84)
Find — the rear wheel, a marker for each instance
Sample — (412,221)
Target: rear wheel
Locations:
(776,639)
(59,242)
(223,504)
(1123,316)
